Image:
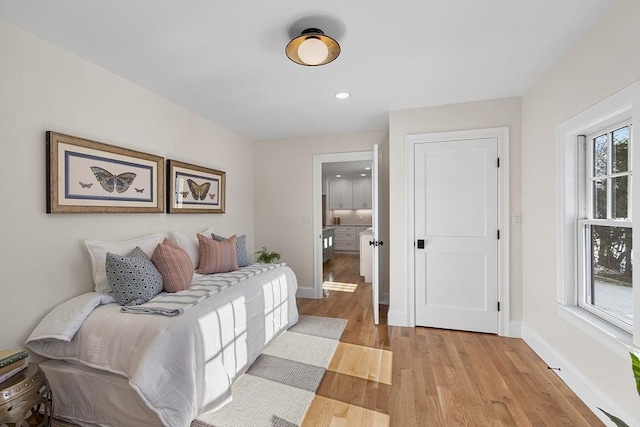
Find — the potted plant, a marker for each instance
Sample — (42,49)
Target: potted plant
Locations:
(635,367)
(267,257)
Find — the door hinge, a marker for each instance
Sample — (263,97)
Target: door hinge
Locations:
(498,234)
(498,305)
(498,161)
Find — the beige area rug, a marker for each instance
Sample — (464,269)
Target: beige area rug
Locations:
(278,388)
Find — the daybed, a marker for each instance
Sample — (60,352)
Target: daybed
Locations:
(110,367)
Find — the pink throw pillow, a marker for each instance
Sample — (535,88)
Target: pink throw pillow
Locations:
(217,257)
(174,265)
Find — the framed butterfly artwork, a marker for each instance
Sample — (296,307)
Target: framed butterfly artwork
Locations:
(194,189)
(86,176)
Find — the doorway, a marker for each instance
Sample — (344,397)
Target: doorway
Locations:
(346,180)
(458,202)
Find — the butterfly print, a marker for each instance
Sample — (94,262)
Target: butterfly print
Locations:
(211,196)
(139,190)
(184,194)
(109,181)
(199,192)
(83,185)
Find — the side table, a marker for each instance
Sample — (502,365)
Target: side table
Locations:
(26,399)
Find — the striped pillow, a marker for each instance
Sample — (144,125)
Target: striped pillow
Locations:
(241,248)
(174,264)
(217,257)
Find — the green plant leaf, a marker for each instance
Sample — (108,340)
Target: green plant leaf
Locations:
(267,257)
(617,421)
(635,366)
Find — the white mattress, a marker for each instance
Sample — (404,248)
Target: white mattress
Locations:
(179,367)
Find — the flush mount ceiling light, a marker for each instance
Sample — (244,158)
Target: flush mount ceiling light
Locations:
(343,95)
(312,48)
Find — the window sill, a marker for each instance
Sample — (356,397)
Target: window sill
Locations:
(606,334)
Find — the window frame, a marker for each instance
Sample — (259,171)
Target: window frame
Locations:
(609,112)
(586,208)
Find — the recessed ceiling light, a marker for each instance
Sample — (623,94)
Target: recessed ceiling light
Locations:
(367,169)
(363,174)
(338,176)
(343,95)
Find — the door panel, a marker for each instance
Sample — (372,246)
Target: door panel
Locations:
(456,213)
(376,221)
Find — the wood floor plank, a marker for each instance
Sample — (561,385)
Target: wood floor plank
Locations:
(392,376)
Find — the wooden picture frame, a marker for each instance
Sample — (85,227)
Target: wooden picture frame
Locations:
(86,176)
(194,189)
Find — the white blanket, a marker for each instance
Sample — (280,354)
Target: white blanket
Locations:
(184,366)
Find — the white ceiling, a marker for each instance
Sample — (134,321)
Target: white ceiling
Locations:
(225,59)
(353,169)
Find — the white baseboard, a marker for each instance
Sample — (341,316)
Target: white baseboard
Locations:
(592,396)
(306,293)
(397,318)
(515,329)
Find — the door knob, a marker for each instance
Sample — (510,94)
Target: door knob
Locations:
(420,243)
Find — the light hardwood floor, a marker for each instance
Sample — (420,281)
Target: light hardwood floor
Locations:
(392,376)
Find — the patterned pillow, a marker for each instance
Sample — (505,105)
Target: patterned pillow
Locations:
(98,254)
(217,257)
(174,264)
(133,278)
(241,248)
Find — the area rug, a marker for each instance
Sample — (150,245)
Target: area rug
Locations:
(278,388)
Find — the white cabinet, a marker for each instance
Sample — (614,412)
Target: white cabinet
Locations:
(340,194)
(361,190)
(345,238)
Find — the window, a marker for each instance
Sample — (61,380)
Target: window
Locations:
(605,227)
(597,291)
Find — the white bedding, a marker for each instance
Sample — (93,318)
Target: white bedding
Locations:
(183,366)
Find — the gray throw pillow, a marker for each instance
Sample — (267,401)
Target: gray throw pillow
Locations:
(133,278)
(241,248)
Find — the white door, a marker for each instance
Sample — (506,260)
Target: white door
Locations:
(377,243)
(456,234)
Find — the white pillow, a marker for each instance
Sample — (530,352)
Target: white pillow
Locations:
(98,253)
(189,242)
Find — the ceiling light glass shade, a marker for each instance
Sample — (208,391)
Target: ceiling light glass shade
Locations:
(312,51)
(312,48)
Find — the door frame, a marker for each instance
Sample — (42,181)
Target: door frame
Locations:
(502,134)
(318,160)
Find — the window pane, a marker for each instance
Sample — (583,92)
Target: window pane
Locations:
(611,271)
(619,193)
(620,149)
(600,199)
(600,155)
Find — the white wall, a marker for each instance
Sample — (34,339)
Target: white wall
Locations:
(42,258)
(605,61)
(465,116)
(283,185)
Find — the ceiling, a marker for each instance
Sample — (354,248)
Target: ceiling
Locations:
(225,60)
(351,169)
